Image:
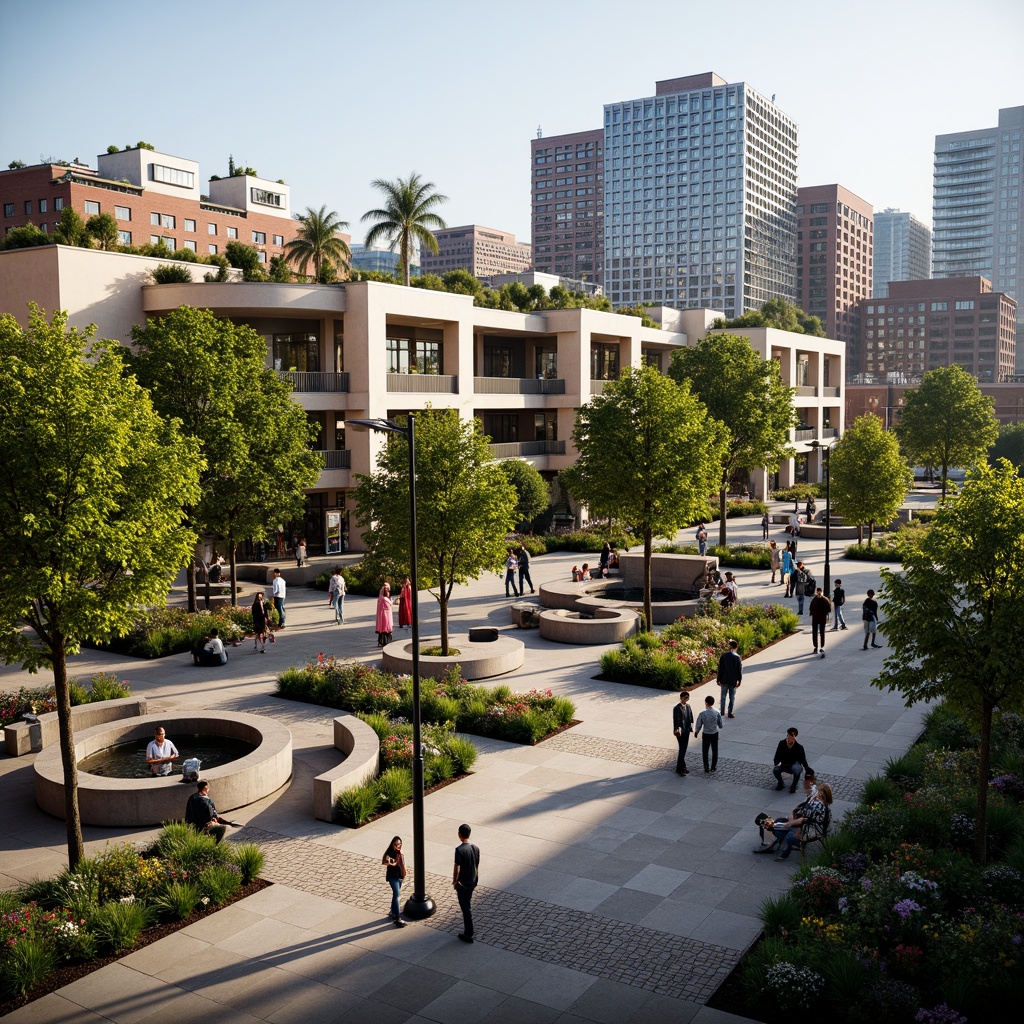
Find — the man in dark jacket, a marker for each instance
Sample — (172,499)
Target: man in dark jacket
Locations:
(838,600)
(202,815)
(789,759)
(730,675)
(819,608)
(682,726)
(524,569)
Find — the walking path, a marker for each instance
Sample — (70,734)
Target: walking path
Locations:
(612,889)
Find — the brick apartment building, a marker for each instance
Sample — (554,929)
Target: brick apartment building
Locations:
(482,251)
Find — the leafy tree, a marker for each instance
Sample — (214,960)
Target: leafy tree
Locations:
(113,149)
(464,506)
(221,263)
(640,310)
(90,526)
(648,455)
(317,242)
(103,227)
(26,237)
(746,393)
(870,478)
(954,612)
(245,258)
(280,272)
(407,214)
(373,275)
(780,314)
(462,282)
(1009,445)
(16,165)
(70,229)
(947,421)
(531,488)
(171,273)
(143,145)
(212,375)
(430,282)
(185,256)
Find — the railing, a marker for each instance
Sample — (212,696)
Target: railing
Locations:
(597,387)
(309,382)
(339,458)
(806,391)
(525,449)
(804,435)
(830,392)
(828,432)
(517,386)
(428,383)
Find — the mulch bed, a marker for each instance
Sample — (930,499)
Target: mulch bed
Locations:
(72,972)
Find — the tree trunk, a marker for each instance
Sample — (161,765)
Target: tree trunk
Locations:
(648,610)
(871,533)
(72,819)
(984,758)
(191,576)
(721,510)
(233,566)
(860,533)
(406,253)
(443,602)
(945,473)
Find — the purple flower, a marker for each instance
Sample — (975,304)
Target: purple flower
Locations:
(865,883)
(843,904)
(906,907)
(1016,940)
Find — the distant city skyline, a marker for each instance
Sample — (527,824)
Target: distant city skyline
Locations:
(331,95)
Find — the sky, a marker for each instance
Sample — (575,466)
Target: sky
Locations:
(332,94)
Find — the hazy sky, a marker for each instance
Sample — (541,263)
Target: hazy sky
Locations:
(330,94)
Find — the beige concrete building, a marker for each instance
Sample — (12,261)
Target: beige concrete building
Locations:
(482,251)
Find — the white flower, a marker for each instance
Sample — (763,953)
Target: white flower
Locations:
(128,899)
(205,900)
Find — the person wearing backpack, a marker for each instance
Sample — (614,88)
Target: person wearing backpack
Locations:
(819,608)
(803,586)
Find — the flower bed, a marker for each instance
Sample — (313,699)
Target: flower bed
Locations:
(450,702)
(738,556)
(159,632)
(103,686)
(685,653)
(105,905)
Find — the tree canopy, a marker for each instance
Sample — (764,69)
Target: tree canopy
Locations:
(954,614)
(25,237)
(103,228)
(531,490)
(90,505)
(649,454)
(246,259)
(747,394)
(1009,444)
(465,506)
(319,243)
(780,314)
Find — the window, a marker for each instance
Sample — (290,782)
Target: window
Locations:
(502,428)
(547,364)
(279,240)
(169,242)
(28,206)
(211,229)
(154,219)
(259,237)
(265,198)
(42,206)
(172,176)
(965,303)
(122,213)
(262,257)
(213,249)
(297,353)
(498,361)
(8,209)
(167,220)
(91,207)
(58,203)
(124,237)
(940,307)
(414,355)
(190,225)
(232,232)
(190,244)
(604,361)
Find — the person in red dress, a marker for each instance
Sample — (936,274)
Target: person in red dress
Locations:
(405,604)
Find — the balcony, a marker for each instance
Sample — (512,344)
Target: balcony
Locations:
(526,449)
(423,383)
(830,392)
(315,382)
(517,386)
(806,391)
(597,387)
(339,458)
(803,435)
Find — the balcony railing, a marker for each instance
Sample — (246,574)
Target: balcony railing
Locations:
(804,435)
(527,449)
(310,382)
(806,391)
(423,383)
(830,392)
(597,387)
(828,432)
(339,458)
(517,386)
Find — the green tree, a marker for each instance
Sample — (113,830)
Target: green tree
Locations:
(955,612)
(1009,445)
(407,215)
(103,227)
(211,373)
(318,242)
(171,273)
(246,259)
(531,489)
(947,422)
(70,229)
(280,272)
(464,506)
(648,456)
(870,478)
(462,282)
(747,394)
(26,237)
(780,314)
(640,309)
(90,526)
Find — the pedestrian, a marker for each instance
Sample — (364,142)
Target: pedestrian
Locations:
(202,815)
(511,565)
(605,562)
(260,623)
(385,618)
(161,753)
(794,524)
(394,874)
(465,878)
(870,616)
(730,675)
(405,604)
(838,600)
(803,586)
(811,509)
(775,560)
(300,552)
(682,726)
(787,571)
(524,569)
(790,832)
(336,591)
(764,526)
(711,722)
(819,609)
(728,591)
(702,540)
(280,592)
(790,759)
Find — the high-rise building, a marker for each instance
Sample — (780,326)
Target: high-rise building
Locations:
(977,216)
(699,197)
(567,193)
(481,251)
(834,250)
(903,250)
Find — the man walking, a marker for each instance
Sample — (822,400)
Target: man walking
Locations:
(464,879)
(682,725)
(280,590)
(789,759)
(803,586)
(711,722)
(819,609)
(730,675)
(838,600)
(870,617)
(524,569)
(702,540)
(511,564)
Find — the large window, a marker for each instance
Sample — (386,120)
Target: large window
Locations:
(173,176)
(498,361)
(604,361)
(502,428)
(545,426)
(297,352)
(421,353)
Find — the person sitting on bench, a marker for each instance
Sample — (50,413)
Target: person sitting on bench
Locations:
(210,650)
(790,833)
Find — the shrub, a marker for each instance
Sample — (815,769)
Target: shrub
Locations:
(188,848)
(249,858)
(119,924)
(159,632)
(780,915)
(740,556)
(588,541)
(219,882)
(439,768)
(170,273)
(106,686)
(357,805)
(178,900)
(394,788)
(907,771)
(799,492)
(27,963)
(792,988)
(462,752)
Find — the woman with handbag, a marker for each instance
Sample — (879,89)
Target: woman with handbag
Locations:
(395,873)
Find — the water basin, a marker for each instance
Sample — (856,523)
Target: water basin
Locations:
(128,760)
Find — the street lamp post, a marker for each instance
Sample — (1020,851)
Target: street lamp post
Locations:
(826,450)
(419,905)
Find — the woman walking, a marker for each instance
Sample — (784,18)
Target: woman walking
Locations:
(336,595)
(385,619)
(260,616)
(405,604)
(300,552)
(394,873)
(775,558)
(787,570)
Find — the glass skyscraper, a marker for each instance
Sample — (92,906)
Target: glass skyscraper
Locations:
(903,250)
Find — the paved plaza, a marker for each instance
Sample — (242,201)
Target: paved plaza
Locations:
(612,890)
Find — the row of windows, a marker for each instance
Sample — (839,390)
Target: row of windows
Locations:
(42,206)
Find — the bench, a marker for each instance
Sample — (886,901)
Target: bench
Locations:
(18,736)
(361,747)
(811,832)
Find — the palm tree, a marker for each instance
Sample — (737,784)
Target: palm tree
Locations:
(318,241)
(406,215)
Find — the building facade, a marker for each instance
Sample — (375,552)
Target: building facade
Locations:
(381,261)
(886,401)
(482,251)
(834,249)
(903,250)
(567,197)
(700,197)
(977,216)
(923,325)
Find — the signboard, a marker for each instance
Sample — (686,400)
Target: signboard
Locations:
(333,533)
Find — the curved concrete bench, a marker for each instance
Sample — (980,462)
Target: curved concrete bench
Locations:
(566,594)
(609,626)
(18,739)
(663,612)
(817,532)
(526,614)
(475,660)
(361,747)
(127,802)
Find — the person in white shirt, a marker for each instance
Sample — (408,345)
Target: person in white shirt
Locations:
(212,650)
(280,590)
(336,595)
(160,753)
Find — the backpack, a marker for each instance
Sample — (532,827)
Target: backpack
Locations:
(190,769)
(810,584)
